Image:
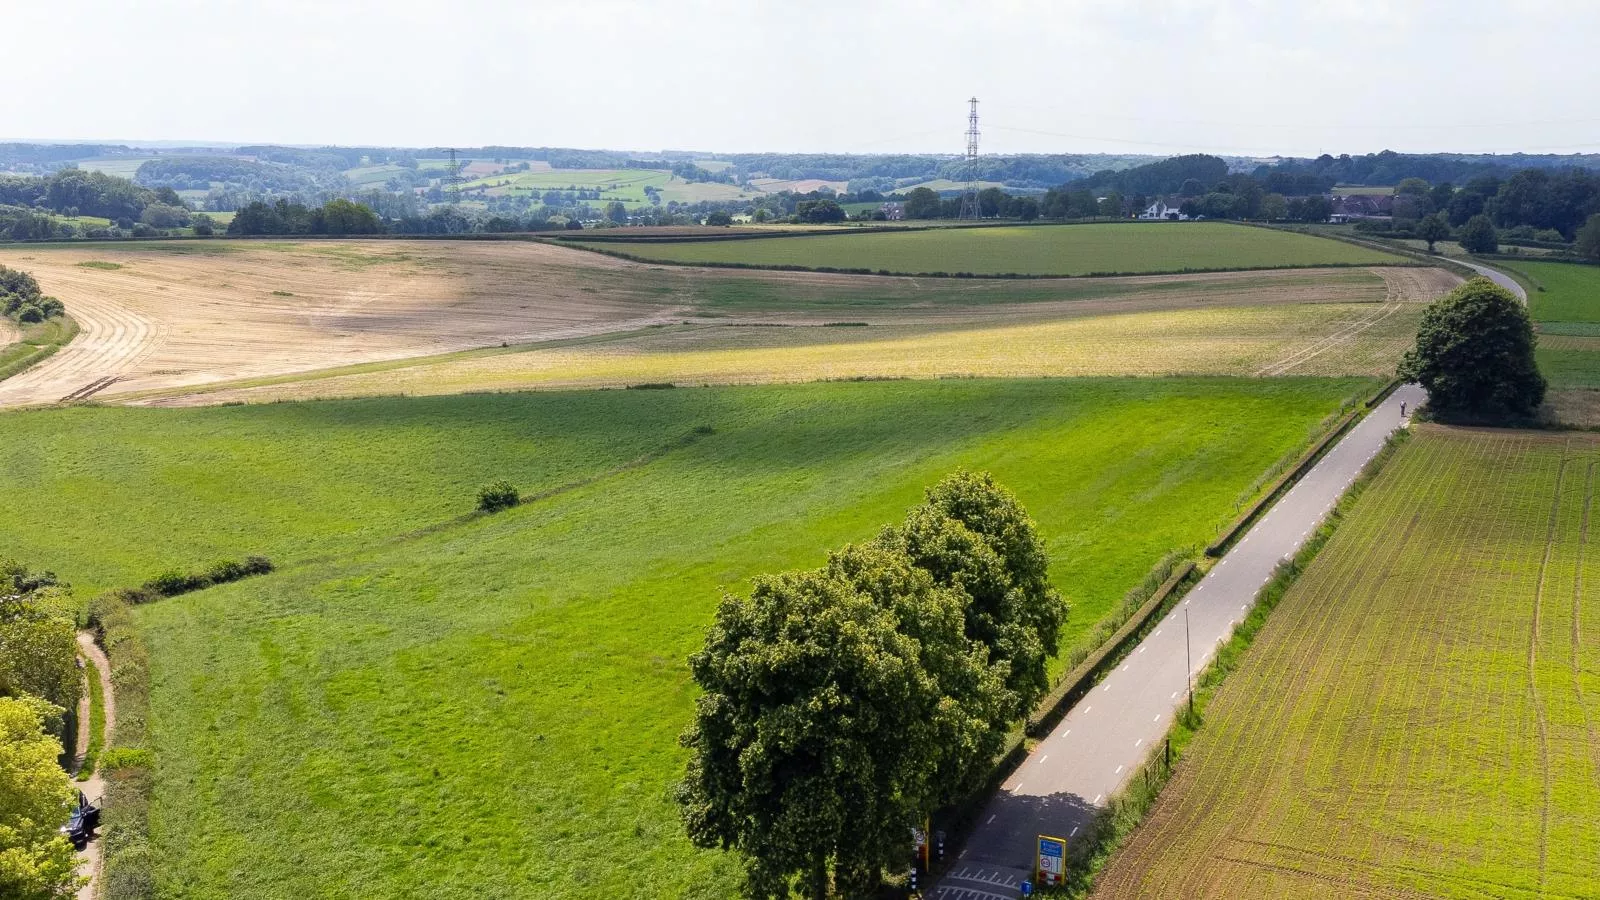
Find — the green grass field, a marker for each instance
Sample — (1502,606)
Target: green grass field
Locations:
(1418,718)
(1033,250)
(424,704)
(1567,311)
(622,185)
(1571,292)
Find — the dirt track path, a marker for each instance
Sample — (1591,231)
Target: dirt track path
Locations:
(94,788)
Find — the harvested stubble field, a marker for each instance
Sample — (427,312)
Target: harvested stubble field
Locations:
(1334,322)
(1039,250)
(166,315)
(506,691)
(1421,715)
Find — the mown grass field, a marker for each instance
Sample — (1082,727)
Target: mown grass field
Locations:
(418,704)
(1571,292)
(1419,716)
(623,185)
(1566,313)
(1026,250)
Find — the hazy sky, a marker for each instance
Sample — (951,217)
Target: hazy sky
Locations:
(1072,76)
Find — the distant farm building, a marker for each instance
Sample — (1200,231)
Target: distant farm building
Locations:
(893,211)
(1361,206)
(1163,210)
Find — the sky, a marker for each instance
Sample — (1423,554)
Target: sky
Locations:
(1241,77)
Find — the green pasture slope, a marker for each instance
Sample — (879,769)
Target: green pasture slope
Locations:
(1567,311)
(424,704)
(1129,248)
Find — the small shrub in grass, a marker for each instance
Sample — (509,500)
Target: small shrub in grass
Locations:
(497,496)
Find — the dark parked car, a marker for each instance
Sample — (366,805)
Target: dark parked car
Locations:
(85,819)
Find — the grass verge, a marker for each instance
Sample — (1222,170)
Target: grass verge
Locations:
(39,342)
(97,719)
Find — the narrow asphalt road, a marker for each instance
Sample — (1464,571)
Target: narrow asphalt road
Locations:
(1103,740)
(1498,277)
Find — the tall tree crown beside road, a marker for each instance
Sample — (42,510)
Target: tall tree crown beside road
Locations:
(1474,355)
(843,704)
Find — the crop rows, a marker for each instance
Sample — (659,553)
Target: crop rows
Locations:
(1419,717)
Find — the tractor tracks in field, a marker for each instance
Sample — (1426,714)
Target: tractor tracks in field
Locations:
(1317,348)
(1577,617)
(1541,716)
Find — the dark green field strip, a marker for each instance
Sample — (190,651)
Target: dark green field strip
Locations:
(1034,251)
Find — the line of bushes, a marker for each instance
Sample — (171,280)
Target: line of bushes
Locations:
(1125,811)
(172,583)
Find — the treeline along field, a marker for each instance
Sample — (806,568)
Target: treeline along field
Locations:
(1123,248)
(1419,716)
(454,705)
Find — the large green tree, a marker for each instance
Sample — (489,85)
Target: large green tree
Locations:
(973,535)
(36,862)
(1433,228)
(38,643)
(1474,355)
(844,704)
(817,736)
(1479,236)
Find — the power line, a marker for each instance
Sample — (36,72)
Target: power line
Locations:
(970,207)
(452,180)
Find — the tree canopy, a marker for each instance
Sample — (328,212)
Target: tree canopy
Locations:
(36,862)
(1479,236)
(1588,242)
(1474,355)
(841,705)
(21,299)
